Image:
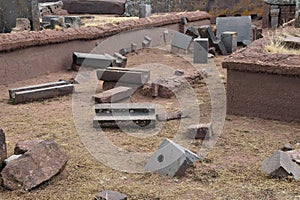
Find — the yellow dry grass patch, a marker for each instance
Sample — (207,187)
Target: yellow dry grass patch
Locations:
(100,20)
(277,45)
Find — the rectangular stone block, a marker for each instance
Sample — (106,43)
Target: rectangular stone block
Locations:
(146,42)
(40,92)
(201,50)
(181,41)
(110,195)
(127,75)
(200,131)
(12,9)
(229,40)
(113,95)
(125,115)
(171,159)
(145,10)
(241,25)
(92,60)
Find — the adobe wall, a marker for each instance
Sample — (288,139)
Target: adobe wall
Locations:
(30,54)
(263,85)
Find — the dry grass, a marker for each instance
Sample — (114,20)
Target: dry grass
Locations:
(100,20)
(277,44)
(232,170)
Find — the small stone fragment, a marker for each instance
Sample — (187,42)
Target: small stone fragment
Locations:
(110,195)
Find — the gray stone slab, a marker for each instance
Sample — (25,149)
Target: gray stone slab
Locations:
(146,42)
(125,115)
(12,9)
(110,195)
(229,40)
(171,159)
(73,21)
(170,116)
(127,75)
(216,41)
(280,164)
(41,93)
(201,50)
(134,47)
(200,131)
(145,10)
(119,60)
(181,41)
(241,25)
(113,95)
(281,2)
(91,60)
(274,13)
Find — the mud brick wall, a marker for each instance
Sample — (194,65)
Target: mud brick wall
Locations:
(25,55)
(263,85)
(287,13)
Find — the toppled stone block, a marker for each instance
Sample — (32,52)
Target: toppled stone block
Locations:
(280,165)
(40,92)
(125,75)
(91,60)
(110,195)
(170,116)
(39,164)
(73,21)
(125,115)
(52,8)
(23,146)
(191,31)
(200,131)
(146,42)
(180,42)
(171,159)
(134,47)
(113,95)
(119,60)
(294,155)
(3,150)
(179,72)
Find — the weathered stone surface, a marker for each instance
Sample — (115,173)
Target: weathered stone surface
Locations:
(280,165)
(110,195)
(11,158)
(200,131)
(12,9)
(170,116)
(229,40)
(3,151)
(39,164)
(145,10)
(22,24)
(295,155)
(181,41)
(171,159)
(23,146)
(113,95)
(241,25)
(201,50)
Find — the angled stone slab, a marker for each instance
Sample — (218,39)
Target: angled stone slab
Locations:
(92,60)
(200,131)
(280,164)
(201,50)
(110,195)
(113,95)
(40,92)
(127,75)
(171,159)
(146,42)
(181,41)
(170,116)
(229,40)
(216,41)
(241,25)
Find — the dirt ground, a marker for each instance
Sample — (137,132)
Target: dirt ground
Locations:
(232,170)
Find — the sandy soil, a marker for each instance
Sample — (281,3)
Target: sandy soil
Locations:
(232,170)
